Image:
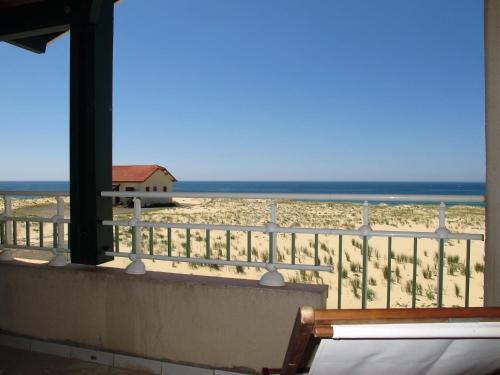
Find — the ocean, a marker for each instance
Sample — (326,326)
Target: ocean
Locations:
(320,187)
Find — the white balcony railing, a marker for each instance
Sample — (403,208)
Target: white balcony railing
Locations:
(9,232)
(271,228)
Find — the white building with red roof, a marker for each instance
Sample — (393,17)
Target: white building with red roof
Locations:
(143,178)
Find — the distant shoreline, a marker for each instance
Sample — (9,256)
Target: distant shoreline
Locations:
(301,187)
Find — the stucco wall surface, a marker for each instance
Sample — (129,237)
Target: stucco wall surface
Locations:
(207,321)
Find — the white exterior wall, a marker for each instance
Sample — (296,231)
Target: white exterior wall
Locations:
(158,179)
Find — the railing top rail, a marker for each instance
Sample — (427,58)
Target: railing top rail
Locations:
(305,197)
(289,196)
(14,193)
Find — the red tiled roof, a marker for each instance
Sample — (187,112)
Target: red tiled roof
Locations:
(137,173)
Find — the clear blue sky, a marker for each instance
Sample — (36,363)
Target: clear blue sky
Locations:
(268,90)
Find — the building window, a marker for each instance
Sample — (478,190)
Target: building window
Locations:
(129,189)
(147,188)
(165,189)
(154,188)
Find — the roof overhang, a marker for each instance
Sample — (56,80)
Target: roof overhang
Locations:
(32,24)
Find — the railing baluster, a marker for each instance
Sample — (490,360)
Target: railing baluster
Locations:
(54,236)
(151,241)
(188,243)
(59,259)
(414,281)
(249,246)
(14,232)
(293,248)
(389,271)
(228,245)
(28,239)
(134,235)
(40,239)
(340,270)
(207,244)
(169,242)
(60,223)
(467,274)
(440,273)
(365,273)
(7,254)
(271,260)
(2,232)
(9,224)
(136,267)
(117,238)
(316,250)
(273,236)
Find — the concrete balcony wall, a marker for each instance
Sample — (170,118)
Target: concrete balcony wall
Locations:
(205,321)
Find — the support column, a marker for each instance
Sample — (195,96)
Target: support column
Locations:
(91,60)
(492,70)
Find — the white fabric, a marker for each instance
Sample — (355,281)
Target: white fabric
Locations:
(418,330)
(421,356)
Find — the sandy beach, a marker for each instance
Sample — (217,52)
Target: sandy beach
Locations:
(465,219)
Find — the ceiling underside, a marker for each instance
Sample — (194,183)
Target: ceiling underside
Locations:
(32,24)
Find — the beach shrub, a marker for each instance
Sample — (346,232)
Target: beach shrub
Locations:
(398,274)
(355,267)
(427,272)
(409,287)
(327,259)
(370,294)
(453,264)
(458,292)
(355,287)
(372,281)
(385,272)
(430,293)
(479,267)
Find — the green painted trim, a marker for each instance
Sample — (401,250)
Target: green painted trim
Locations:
(364,290)
(28,234)
(389,271)
(14,232)
(467,275)
(169,242)
(414,280)
(249,246)
(340,270)
(55,243)
(151,241)
(207,244)
(117,238)
(41,234)
(134,250)
(440,274)
(316,250)
(271,260)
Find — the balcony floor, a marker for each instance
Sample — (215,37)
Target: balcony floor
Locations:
(20,362)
